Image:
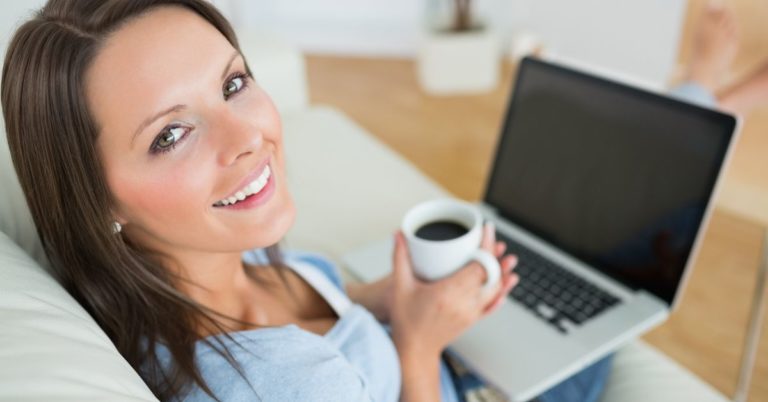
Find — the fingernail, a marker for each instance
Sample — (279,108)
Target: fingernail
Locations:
(513,262)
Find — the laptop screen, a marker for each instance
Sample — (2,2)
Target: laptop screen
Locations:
(617,177)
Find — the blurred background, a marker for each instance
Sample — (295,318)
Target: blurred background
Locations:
(621,35)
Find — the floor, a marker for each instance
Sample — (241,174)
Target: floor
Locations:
(452,139)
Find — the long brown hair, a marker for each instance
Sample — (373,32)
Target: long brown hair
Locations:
(52,137)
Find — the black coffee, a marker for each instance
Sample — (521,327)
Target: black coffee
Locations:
(441,230)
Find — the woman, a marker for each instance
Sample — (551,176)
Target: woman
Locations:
(153,165)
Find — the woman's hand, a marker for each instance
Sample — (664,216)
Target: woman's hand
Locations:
(376,297)
(427,316)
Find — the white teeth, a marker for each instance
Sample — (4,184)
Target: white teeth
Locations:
(258,184)
(252,188)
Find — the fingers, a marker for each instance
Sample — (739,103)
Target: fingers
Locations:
(401,270)
(472,275)
(501,247)
(489,237)
(508,283)
(508,263)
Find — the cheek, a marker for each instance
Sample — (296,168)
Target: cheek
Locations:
(271,121)
(156,198)
(266,115)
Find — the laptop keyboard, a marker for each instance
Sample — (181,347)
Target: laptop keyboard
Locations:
(552,293)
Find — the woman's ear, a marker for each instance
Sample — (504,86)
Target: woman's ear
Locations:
(117,217)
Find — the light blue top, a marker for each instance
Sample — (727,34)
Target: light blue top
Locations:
(354,361)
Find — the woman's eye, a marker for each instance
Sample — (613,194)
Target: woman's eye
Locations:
(171,136)
(168,139)
(234,85)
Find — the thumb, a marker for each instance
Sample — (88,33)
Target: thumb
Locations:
(402,272)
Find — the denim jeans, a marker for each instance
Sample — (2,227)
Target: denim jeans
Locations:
(584,386)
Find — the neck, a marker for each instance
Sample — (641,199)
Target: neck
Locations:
(216,280)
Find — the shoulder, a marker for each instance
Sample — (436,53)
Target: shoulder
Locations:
(322,263)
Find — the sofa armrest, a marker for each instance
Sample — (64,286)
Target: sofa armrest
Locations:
(51,349)
(641,373)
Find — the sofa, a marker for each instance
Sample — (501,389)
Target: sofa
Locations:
(349,189)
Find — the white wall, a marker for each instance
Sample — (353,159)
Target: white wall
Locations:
(12,14)
(638,38)
(371,27)
(635,37)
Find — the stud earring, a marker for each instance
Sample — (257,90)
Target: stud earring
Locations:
(116,227)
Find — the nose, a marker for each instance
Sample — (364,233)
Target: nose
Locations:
(235,137)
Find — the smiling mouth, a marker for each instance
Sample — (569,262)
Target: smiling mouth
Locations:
(250,189)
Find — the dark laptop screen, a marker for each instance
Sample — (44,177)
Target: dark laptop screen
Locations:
(617,177)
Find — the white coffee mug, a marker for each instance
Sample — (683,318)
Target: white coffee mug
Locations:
(437,259)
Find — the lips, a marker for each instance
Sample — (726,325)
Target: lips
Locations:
(250,189)
(251,184)
(255,200)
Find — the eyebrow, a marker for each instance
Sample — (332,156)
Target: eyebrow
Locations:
(177,108)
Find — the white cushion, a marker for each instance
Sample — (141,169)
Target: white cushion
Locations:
(641,374)
(50,348)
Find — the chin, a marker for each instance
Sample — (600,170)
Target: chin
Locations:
(277,228)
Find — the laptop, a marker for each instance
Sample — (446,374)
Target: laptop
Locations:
(604,191)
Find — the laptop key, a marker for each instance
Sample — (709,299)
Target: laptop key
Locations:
(588,310)
(545,310)
(556,295)
(567,325)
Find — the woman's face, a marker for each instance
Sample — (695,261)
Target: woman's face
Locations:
(181,128)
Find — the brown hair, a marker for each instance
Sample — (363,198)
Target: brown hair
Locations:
(52,137)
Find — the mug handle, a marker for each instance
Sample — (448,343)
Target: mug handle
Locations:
(491,265)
